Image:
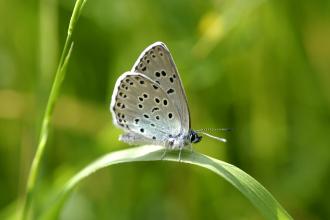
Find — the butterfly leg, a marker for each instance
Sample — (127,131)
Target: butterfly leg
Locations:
(191,148)
(164,154)
(180,154)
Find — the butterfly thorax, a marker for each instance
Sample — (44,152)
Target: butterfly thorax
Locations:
(182,140)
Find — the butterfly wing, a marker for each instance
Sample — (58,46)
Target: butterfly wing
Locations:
(144,110)
(157,63)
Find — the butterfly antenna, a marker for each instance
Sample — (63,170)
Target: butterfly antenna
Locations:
(214,129)
(211,136)
(202,131)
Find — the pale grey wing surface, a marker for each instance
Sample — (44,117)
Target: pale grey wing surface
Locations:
(140,106)
(157,63)
(137,139)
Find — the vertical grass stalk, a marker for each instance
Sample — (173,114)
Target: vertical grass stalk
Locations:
(28,207)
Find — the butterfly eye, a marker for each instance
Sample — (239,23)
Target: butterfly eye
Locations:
(194,138)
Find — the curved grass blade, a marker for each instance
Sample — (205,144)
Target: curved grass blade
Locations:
(250,188)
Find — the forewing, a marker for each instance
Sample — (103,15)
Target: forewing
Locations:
(140,106)
(157,63)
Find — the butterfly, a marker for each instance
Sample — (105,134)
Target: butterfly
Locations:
(150,105)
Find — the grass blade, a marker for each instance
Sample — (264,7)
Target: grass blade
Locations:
(28,208)
(251,188)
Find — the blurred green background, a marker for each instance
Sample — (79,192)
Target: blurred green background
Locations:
(260,67)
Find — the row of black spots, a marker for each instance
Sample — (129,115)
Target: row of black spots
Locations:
(146,115)
(165,101)
(162,73)
(136,120)
(140,106)
(120,115)
(155,87)
(151,52)
(120,105)
(160,50)
(171,79)
(157,117)
(123,95)
(170,115)
(142,66)
(170,91)
(122,121)
(123,86)
(142,130)
(144,96)
(146,59)
(129,81)
(139,80)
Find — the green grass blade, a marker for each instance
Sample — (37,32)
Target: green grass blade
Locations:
(253,190)
(59,76)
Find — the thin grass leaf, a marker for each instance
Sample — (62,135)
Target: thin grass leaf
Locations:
(251,188)
(28,209)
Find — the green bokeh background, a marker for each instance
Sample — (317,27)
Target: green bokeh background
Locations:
(259,67)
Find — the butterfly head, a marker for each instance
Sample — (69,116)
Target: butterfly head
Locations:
(194,137)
